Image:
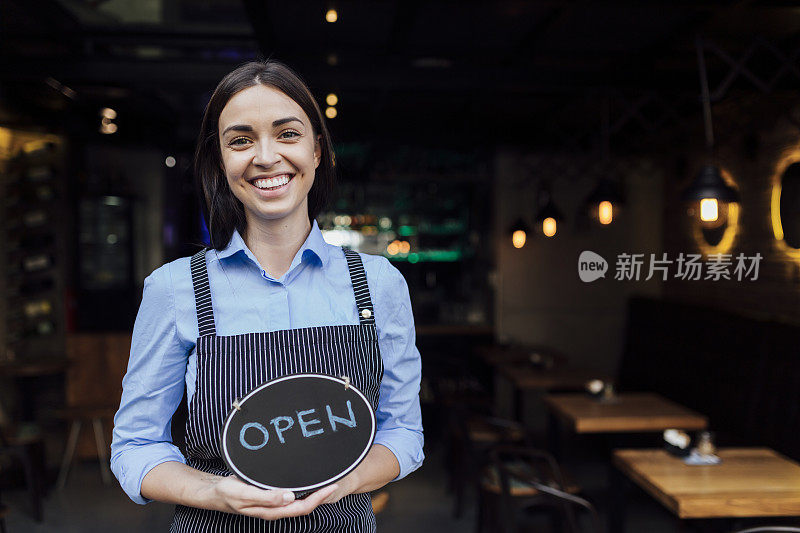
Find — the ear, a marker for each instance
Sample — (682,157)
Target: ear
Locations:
(317,151)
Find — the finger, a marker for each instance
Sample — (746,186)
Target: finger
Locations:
(251,496)
(296,508)
(257,497)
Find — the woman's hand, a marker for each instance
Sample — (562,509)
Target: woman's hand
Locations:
(347,485)
(236,496)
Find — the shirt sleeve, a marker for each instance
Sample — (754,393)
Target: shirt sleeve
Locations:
(151,389)
(398,414)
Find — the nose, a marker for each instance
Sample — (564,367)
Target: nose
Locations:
(266,155)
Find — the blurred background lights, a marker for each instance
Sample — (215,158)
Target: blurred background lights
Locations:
(549,226)
(331,15)
(169,161)
(605,212)
(709,210)
(332,99)
(518,238)
(330,112)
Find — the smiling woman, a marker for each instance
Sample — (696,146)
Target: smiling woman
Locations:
(261,121)
(285,302)
(270,154)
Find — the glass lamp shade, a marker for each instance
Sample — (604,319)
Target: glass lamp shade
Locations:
(709,183)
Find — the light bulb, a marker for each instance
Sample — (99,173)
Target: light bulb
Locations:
(549,226)
(518,238)
(331,15)
(709,210)
(605,212)
(713,213)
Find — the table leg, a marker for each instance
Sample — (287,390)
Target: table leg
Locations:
(619,499)
(554,435)
(102,451)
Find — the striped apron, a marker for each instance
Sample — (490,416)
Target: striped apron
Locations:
(228,367)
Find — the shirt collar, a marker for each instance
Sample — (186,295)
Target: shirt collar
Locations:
(314,246)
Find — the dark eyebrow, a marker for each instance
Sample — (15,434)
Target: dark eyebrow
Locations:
(249,129)
(238,127)
(280,121)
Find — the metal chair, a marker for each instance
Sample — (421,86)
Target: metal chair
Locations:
(770,529)
(3,513)
(520,478)
(471,435)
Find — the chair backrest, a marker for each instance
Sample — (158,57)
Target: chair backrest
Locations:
(98,362)
(539,470)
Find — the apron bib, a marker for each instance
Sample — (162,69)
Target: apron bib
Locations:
(228,367)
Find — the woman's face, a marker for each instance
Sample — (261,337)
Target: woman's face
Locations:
(269,153)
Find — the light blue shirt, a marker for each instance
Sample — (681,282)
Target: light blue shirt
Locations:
(315,291)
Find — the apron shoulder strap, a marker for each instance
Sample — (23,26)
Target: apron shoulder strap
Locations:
(202,294)
(366,314)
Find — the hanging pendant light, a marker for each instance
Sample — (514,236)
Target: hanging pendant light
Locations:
(519,233)
(709,194)
(548,215)
(604,202)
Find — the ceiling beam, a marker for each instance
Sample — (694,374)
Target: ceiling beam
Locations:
(138,73)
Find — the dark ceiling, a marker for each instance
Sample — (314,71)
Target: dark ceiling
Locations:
(444,72)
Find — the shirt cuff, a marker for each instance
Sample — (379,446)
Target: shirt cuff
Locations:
(406,445)
(132,464)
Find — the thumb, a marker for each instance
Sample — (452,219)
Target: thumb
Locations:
(329,493)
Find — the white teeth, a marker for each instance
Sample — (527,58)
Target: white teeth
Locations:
(269,183)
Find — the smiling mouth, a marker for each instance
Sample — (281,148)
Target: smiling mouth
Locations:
(272,183)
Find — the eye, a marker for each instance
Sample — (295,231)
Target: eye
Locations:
(289,134)
(235,142)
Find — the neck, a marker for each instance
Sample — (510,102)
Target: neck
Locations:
(276,242)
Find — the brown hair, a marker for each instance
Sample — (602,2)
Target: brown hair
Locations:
(224,212)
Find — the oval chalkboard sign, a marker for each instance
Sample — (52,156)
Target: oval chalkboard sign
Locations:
(298,432)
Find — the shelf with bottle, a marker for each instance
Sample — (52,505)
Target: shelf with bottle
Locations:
(32,185)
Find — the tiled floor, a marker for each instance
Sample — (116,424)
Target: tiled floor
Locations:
(418,504)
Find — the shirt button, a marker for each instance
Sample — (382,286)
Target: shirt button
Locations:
(366,313)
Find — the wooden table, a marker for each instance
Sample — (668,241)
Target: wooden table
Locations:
(527,377)
(628,413)
(22,371)
(498,354)
(33,366)
(750,482)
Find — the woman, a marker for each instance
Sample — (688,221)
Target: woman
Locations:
(264,163)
